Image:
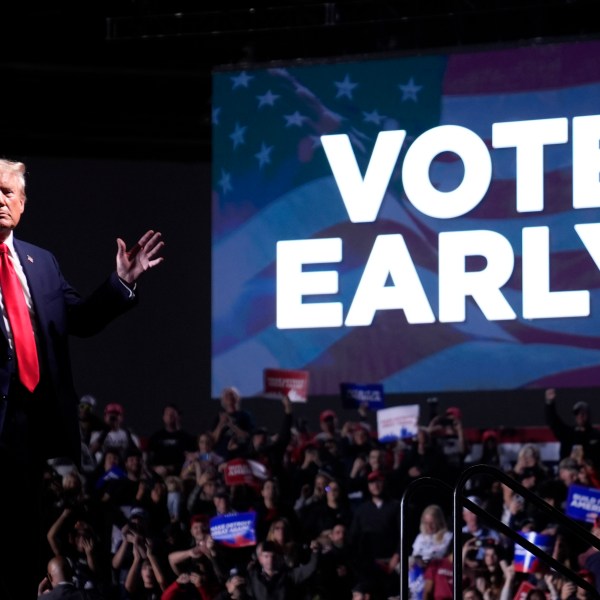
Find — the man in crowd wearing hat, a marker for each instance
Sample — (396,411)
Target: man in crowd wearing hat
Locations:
(375,533)
(447,432)
(115,434)
(328,425)
(581,433)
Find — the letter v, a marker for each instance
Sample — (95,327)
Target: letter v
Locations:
(363,197)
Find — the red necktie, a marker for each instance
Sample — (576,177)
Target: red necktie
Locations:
(20,322)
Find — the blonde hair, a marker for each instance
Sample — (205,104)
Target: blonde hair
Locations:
(286,528)
(15,168)
(437,513)
(531,449)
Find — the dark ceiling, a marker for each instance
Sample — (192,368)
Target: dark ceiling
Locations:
(132,79)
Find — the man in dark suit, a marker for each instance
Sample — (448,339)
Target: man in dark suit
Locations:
(58,583)
(38,403)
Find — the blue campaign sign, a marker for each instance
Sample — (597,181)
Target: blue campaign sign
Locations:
(583,503)
(235,530)
(355,394)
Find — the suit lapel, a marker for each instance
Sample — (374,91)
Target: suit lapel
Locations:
(28,263)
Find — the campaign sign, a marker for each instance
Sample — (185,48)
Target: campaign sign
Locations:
(523,590)
(416,581)
(293,384)
(355,394)
(236,530)
(397,423)
(525,561)
(240,471)
(583,503)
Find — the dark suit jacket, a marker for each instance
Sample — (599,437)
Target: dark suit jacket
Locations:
(60,312)
(70,592)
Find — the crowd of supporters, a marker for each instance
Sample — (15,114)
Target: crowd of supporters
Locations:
(134,521)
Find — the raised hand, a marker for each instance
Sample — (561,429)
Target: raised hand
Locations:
(143,255)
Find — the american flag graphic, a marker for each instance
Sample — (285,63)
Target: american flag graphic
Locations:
(272,182)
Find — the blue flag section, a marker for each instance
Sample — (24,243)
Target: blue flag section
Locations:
(235,530)
(355,394)
(583,503)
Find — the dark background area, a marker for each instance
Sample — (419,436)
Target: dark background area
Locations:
(108,103)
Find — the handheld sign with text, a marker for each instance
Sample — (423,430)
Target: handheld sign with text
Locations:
(355,394)
(283,382)
(397,423)
(583,503)
(236,530)
(241,471)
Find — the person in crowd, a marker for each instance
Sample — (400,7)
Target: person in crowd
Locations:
(529,468)
(324,515)
(433,538)
(203,455)
(154,500)
(431,541)
(328,427)
(588,474)
(123,493)
(356,444)
(38,403)
(201,555)
(312,497)
(167,447)
(305,472)
(115,433)
(492,455)
(77,541)
(490,576)
(146,579)
(280,532)
(589,559)
(270,450)
(89,422)
(421,458)
(363,465)
(332,459)
(513,511)
(272,506)
(448,433)
(439,577)
(270,579)
(490,450)
(232,424)
(134,533)
(580,433)
(375,533)
(336,575)
(475,536)
(236,587)
(108,468)
(197,584)
(362,591)
(58,583)
(201,498)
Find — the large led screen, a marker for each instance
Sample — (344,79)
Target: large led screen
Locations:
(427,222)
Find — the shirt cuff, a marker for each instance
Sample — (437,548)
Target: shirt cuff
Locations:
(130,288)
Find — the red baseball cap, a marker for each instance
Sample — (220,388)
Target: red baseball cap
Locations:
(327,414)
(375,476)
(114,407)
(489,434)
(454,412)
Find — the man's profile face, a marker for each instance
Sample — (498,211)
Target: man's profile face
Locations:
(12,201)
